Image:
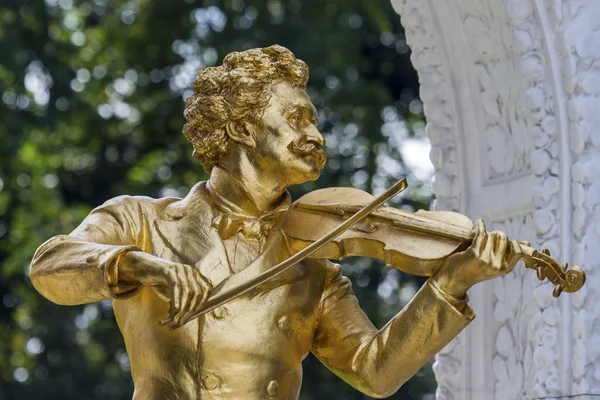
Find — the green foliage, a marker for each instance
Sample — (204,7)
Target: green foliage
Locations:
(92,101)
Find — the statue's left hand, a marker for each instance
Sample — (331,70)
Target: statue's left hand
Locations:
(490,255)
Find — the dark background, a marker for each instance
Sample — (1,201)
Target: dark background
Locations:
(92,100)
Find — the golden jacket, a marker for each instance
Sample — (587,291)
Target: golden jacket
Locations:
(252,347)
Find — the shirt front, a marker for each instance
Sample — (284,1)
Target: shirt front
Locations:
(243,234)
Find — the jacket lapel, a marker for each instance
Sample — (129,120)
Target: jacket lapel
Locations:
(275,252)
(187,233)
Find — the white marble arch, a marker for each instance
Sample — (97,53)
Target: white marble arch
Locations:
(511,90)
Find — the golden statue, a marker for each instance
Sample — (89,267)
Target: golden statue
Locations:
(222,294)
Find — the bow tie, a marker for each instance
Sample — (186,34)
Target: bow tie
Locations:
(229,224)
(231,219)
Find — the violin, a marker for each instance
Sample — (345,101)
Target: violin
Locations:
(414,243)
(335,223)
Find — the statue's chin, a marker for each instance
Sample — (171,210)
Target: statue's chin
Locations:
(313,175)
(307,168)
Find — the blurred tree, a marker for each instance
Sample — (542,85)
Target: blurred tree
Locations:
(92,100)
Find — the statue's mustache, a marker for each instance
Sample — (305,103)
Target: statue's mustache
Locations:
(304,148)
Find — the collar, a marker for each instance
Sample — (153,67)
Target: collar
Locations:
(231,219)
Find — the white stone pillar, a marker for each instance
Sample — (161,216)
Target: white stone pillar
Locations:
(511,90)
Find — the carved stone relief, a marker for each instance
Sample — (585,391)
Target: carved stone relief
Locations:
(531,38)
(495,63)
(579,48)
(516,316)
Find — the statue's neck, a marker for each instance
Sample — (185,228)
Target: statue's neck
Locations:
(253,194)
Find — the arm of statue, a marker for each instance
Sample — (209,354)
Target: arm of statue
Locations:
(105,257)
(378,362)
(87,265)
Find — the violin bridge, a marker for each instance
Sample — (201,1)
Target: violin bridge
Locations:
(366,227)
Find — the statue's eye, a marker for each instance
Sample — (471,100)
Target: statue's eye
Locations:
(296,117)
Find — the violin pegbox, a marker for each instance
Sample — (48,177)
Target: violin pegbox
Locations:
(563,278)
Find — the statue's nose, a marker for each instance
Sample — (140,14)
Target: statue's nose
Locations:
(314,136)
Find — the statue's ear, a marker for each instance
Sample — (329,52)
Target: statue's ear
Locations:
(241,132)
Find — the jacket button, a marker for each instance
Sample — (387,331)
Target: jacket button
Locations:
(273,388)
(211,382)
(220,312)
(284,323)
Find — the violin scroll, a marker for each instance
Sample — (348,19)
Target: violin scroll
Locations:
(563,278)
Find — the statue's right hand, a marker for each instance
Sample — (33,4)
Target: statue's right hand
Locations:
(183,285)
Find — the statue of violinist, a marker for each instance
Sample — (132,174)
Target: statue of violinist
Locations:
(162,261)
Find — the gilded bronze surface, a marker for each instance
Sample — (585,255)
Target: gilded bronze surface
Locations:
(252,126)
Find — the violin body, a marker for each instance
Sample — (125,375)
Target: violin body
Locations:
(414,251)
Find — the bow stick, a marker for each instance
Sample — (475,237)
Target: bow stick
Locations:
(223,294)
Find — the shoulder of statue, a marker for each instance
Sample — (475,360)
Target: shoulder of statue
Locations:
(172,208)
(196,203)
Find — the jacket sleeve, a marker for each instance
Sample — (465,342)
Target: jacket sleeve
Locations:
(378,362)
(82,267)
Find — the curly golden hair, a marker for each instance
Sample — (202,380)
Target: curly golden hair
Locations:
(238,90)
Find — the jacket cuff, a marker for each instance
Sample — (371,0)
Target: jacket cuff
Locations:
(460,305)
(119,289)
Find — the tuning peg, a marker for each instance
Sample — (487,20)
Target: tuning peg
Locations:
(539,272)
(565,267)
(557,291)
(546,252)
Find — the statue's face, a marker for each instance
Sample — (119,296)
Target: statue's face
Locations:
(288,145)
